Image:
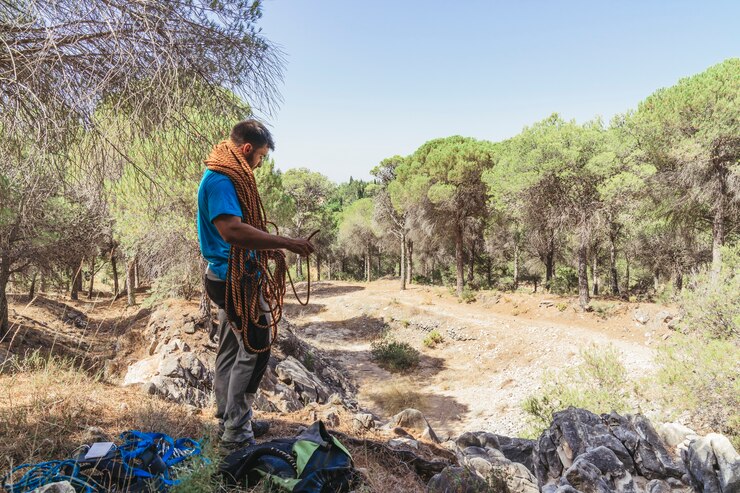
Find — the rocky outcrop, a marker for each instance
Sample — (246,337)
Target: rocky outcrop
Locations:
(713,464)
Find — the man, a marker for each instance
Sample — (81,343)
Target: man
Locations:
(234,241)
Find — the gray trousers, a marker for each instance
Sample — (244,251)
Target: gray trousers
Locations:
(238,372)
(235,368)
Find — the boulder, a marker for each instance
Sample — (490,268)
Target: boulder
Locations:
(658,486)
(363,421)
(641,316)
(307,384)
(713,464)
(673,434)
(502,474)
(455,479)
(517,450)
(414,420)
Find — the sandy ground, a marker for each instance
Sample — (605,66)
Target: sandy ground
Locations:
(495,354)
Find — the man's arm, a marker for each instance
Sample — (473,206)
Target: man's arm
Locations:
(237,233)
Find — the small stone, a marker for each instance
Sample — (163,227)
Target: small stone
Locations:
(401,442)
(59,487)
(189,328)
(641,316)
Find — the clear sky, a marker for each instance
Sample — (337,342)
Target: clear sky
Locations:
(365,80)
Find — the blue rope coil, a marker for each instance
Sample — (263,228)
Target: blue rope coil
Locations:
(142,456)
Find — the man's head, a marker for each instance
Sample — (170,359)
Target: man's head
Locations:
(253,140)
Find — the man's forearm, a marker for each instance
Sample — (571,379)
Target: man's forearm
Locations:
(251,238)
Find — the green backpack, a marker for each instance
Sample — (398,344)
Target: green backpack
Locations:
(312,462)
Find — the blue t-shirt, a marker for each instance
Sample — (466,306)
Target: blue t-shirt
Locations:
(216,196)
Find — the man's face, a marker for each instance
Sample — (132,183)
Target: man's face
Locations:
(254,155)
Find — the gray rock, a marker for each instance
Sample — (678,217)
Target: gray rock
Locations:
(456,480)
(517,450)
(189,328)
(414,420)
(641,316)
(308,385)
(501,473)
(702,466)
(585,477)
(611,468)
(713,464)
(401,442)
(658,486)
(673,434)
(286,399)
(59,487)
(263,403)
(170,367)
(363,421)
(663,316)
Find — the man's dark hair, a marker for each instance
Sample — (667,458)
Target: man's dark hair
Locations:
(252,132)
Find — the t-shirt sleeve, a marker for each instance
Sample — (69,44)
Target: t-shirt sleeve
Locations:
(222,199)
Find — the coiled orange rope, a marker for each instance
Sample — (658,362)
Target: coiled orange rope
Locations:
(249,279)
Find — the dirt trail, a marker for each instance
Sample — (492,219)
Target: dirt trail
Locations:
(495,353)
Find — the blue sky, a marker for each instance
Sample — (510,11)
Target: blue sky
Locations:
(368,80)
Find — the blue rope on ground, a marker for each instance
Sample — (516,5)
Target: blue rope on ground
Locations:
(142,456)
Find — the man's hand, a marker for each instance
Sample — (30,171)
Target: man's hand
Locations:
(300,247)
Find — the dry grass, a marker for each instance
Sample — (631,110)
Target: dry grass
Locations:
(49,406)
(398,396)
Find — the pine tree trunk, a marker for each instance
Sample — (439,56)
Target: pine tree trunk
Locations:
(489,268)
(380,265)
(516,266)
(402,263)
(318,267)
(678,281)
(92,277)
(131,282)
(656,280)
(368,263)
(627,274)
(471,266)
(550,265)
(4,277)
(114,267)
(613,265)
(459,261)
(718,237)
(32,290)
(77,283)
(409,261)
(583,297)
(595,273)
(136,273)
(298,266)
(42,283)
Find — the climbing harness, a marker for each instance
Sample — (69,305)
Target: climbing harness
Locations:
(249,279)
(144,462)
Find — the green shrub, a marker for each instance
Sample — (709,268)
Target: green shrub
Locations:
(699,369)
(394,356)
(700,375)
(603,310)
(565,281)
(468,295)
(598,384)
(712,308)
(562,306)
(433,338)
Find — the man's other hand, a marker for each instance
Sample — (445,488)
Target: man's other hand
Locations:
(300,247)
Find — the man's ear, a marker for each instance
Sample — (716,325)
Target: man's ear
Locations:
(247,148)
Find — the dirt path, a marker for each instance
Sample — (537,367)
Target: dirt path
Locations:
(495,353)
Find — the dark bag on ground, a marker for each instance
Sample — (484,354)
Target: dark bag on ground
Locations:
(312,462)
